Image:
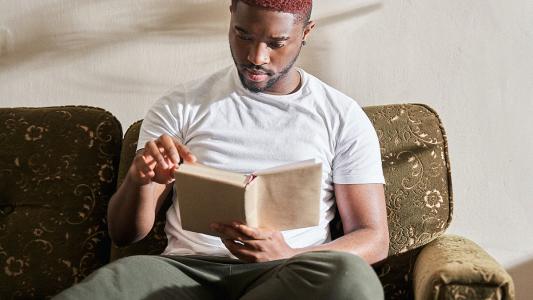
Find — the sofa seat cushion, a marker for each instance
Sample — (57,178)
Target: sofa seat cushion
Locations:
(58,169)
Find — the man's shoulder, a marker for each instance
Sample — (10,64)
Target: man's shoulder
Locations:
(333,96)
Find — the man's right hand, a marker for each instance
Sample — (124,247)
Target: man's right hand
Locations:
(158,161)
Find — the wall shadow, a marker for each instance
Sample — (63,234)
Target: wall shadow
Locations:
(58,34)
(54,32)
(522,275)
(329,46)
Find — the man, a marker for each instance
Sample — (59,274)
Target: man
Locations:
(260,113)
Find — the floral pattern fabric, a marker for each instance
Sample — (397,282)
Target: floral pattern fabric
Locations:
(452,267)
(58,168)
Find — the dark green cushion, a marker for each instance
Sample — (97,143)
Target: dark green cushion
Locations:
(58,169)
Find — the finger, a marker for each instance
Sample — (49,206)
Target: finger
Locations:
(234,246)
(252,233)
(141,171)
(152,149)
(239,250)
(227,232)
(147,175)
(143,163)
(142,167)
(169,148)
(176,149)
(185,152)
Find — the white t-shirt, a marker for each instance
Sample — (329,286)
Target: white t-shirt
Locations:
(229,127)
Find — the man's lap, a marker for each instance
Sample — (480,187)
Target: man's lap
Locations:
(313,274)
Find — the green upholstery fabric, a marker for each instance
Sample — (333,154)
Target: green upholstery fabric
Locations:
(418,190)
(58,168)
(414,153)
(452,267)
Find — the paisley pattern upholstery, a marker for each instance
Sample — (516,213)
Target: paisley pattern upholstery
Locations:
(57,172)
(452,267)
(395,274)
(418,187)
(58,168)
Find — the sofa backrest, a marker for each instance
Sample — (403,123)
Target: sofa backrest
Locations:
(415,162)
(58,169)
(418,192)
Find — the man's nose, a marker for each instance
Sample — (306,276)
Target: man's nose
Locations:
(259,54)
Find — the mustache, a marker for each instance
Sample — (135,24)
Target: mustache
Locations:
(257,69)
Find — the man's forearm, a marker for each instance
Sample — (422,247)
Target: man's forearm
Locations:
(131,212)
(368,243)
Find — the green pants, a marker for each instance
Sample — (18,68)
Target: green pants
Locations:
(312,275)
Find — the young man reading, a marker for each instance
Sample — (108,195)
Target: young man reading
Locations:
(260,113)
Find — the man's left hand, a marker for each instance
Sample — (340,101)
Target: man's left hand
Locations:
(253,244)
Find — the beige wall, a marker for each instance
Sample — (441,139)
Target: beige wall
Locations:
(470,60)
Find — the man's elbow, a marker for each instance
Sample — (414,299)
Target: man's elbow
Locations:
(382,244)
(122,237)
(119,240)
(125,240)
(384,248)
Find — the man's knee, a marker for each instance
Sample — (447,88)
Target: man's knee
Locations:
(348,276)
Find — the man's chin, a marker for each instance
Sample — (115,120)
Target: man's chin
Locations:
(253,86)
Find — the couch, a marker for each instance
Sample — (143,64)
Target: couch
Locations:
(59,167)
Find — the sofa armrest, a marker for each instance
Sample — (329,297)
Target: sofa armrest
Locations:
(452,267)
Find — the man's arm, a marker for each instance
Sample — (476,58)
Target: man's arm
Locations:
(364,219)
(363,214)
(132,209)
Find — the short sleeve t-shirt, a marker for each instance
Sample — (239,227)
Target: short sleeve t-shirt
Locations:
(229,127)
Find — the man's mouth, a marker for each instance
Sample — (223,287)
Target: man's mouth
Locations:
(255,75)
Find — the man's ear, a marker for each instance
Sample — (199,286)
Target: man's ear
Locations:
(308,28)
(232,6)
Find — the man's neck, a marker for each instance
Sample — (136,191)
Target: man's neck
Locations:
(288,84)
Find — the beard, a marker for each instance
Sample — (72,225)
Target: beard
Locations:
(275,77)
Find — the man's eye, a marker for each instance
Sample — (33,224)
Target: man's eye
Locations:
(244,38)
(276,45)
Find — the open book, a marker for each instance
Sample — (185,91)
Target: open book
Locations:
(280,198)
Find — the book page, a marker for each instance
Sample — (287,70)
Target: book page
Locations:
(204,200)
(290,199)
(283,198)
